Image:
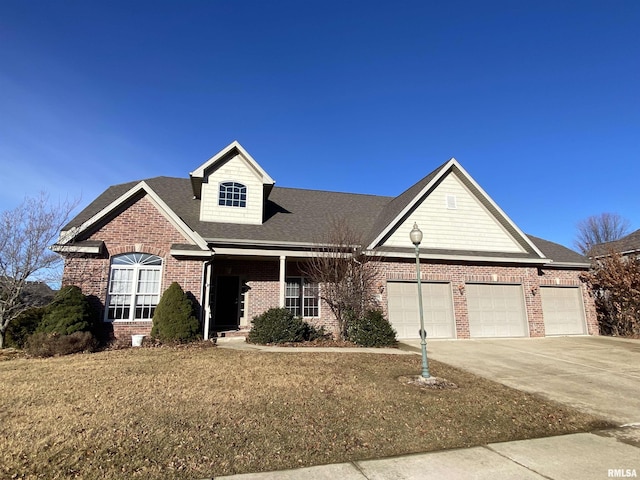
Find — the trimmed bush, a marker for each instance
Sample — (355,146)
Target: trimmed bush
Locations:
(279,325)
(42,344)
(174,319)
(26,324)
(69,312)
(372,330)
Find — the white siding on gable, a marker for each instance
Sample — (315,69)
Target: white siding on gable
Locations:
(468,226)
(235,170)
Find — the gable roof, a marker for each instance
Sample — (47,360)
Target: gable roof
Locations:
(625,245)
(112,199)
(295,217)
(230,151)
(292,216)
(399,208)
(397,205)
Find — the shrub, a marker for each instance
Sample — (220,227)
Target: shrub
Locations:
(42,344)
(372,330)
(26,324)
(69,312)
(279,325)
(174,319)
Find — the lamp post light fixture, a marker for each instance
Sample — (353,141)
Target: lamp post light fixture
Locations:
(416,238)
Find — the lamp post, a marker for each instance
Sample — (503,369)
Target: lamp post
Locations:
(416,238)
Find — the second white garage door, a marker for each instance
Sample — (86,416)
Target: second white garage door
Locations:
(437,307)
(562,310)
(496,310)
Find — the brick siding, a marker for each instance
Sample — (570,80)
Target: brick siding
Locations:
(137,227)
(459,275)
(140,227)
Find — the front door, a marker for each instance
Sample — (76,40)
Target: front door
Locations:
(227,304)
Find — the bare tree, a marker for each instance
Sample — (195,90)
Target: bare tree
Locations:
(26,233)
(596,229)
(345,274)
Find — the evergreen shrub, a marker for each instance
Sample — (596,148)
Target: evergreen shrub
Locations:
(174,319)
(279,325)
(69,312)
(25,325)
(371,330)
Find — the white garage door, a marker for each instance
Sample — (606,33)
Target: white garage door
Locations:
(562,311)
(437,307)
(496,311)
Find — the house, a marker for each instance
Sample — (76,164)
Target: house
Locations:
(236,242)
(627,245)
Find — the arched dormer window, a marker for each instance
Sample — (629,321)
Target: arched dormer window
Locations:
(232,194)
(134,287)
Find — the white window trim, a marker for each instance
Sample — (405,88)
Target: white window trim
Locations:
(302,280)
(135,268)
(235,184)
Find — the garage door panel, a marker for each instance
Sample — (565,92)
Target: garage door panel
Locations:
(562,310)
(496,310)
(437,309)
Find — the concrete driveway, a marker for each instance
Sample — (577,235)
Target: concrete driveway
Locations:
(599,375)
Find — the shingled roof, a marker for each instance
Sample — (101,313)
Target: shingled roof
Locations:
(625,245)
(559,253)
(297,216)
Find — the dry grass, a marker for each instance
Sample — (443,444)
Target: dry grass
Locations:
(194,413)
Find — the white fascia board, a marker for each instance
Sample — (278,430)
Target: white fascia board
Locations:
(468,258)
(156,200)
(270,243)
(68,235)
(199,172)
(445,168)
(58,248)
(177,252)
(258,252)
(624,253)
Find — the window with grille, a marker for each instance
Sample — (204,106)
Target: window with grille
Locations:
(301,297)
(134,286)
(232,194)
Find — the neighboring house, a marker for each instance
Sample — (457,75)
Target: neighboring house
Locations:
(628,245)
(236,242)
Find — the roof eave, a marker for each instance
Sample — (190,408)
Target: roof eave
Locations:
(78,248)
(466,258)
(69,235)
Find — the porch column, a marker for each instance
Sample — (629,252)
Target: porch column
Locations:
(283,284)
(207,298)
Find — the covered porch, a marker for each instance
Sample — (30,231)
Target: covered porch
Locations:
(236,288)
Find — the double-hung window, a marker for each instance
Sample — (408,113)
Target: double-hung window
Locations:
(301,297)
(232,194)
(134,287)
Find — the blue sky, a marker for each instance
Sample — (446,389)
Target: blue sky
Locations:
(538,100)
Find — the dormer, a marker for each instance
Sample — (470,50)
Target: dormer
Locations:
(232,187)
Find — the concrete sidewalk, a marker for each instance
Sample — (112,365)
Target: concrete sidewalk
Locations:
(584,456)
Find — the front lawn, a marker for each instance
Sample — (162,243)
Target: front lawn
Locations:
(198,412)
